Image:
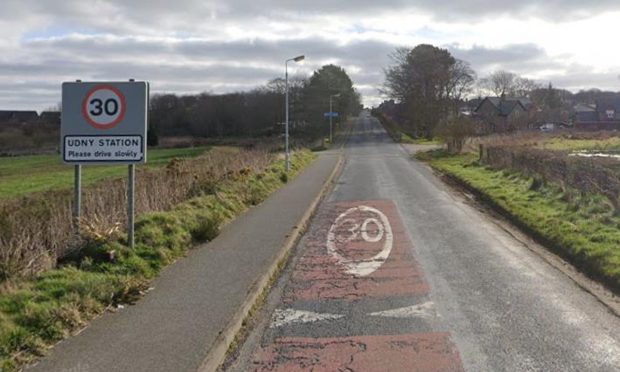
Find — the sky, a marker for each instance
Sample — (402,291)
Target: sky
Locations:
(193,46)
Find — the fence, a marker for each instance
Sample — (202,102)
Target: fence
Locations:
(588,175)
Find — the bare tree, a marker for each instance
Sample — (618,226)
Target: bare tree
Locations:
(523,87)
(499,82)
(462,80)
(508,83)
(398,76)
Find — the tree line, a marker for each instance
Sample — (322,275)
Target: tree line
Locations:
(430,84)
(259,112)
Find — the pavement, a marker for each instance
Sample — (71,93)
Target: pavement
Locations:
(195,300)
(399,273)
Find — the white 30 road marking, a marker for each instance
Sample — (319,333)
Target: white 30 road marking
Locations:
(288,316)
(369,266)
(424,310)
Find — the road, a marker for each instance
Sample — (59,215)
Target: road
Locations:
(398,273)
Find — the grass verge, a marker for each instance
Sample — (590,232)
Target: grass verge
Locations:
(36,313)
(399,136)
(24,175)
(611,144)
(582,228)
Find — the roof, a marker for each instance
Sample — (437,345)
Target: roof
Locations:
(24,116)
(505,106)
(585,116)
(604,104)
(582,107)
(5,115)
(474,103)
(525,102)
(50,116)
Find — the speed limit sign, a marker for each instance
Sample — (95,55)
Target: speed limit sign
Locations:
(104,122)
(103,107)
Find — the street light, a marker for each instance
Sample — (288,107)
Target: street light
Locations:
(331,115)
(287,163)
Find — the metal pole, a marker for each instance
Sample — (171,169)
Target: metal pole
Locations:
(287,161)
(77,199)
(130,204)
(77,192)
(330,120)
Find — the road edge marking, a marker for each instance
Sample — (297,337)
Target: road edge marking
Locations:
(218,351)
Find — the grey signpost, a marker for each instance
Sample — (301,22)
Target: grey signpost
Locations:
(105,123)
(330,115)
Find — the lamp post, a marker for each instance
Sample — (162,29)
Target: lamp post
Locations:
(287,163)
(331,116)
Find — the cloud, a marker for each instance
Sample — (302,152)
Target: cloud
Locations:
(189,46)
(184,65)
(522,59)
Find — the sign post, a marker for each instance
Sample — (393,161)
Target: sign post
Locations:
(105,123)
(330,115)
(77,199)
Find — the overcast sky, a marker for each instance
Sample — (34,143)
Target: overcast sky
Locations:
(191,46)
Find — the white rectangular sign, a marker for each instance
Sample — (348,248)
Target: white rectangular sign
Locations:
(104,122)
(101,149)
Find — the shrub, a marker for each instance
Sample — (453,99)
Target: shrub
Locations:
(36,231)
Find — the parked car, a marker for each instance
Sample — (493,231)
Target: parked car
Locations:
(547,127)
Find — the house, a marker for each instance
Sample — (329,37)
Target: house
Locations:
(468,107)
(584,113)
(50,117)
(605,115)
(608,109)
(502,113)
(5,116)
(20,117)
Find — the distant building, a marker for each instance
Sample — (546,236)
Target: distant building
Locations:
(605,115)
(584,113)
(468,108)
(18,117)
(50,117)
(498,113)
(21,117)
(5,116)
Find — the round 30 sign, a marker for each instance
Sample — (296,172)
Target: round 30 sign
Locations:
(103,107)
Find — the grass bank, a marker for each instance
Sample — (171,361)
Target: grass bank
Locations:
(23,175)
(37,313)
(582,228)
(611,144)
(398,135)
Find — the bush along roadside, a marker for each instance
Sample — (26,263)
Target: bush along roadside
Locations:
(397,134)
(582,228)
(36,313)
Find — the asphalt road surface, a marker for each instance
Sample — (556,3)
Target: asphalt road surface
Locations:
(398,273)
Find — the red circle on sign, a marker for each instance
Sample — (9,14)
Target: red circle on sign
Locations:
(122,107)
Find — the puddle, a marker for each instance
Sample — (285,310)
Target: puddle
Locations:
(589,154)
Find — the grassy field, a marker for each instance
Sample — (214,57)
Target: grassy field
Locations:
(583,228)
(559,143)
(27,174)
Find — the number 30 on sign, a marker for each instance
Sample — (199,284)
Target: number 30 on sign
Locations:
(103,107)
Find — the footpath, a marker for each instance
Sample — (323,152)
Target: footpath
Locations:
(197,305)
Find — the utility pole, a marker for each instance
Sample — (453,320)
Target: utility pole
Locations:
(287,162)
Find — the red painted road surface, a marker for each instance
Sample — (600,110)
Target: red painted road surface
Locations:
(358,233)
(426,352)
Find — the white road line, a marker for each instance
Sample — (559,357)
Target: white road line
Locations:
(291,316)
(425,310)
